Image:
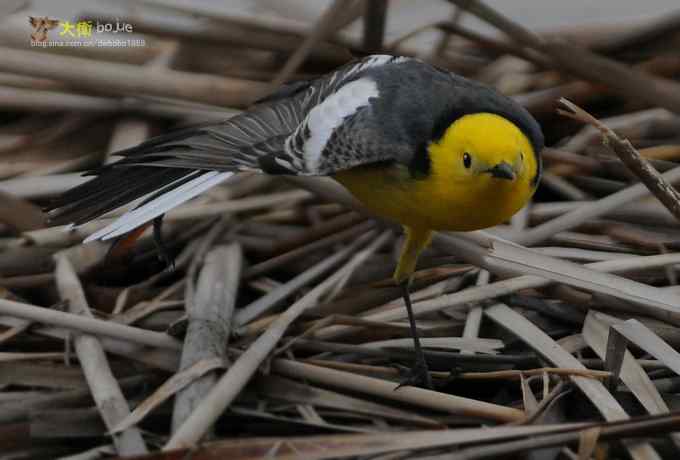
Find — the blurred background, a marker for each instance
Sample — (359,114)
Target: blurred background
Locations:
(404,15)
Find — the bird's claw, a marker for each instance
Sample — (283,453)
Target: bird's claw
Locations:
(167,260)
(163,253)
(416,376)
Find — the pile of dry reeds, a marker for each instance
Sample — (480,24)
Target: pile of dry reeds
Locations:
(279,333)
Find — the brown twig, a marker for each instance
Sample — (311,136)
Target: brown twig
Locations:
(375,15)
(228,33)
(582,62)
(630,156)
(325,27)
(131,79)
(88,325)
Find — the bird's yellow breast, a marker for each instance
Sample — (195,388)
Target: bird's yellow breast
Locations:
(450,197)
(434,204)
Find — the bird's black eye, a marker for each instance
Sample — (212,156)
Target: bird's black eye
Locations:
(521,155)
(467,160)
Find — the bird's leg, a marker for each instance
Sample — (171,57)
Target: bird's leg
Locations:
(122,246)
(419,375)
(163,253)
(416,241)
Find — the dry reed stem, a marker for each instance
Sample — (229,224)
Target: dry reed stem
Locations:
(473,320)
(582,62)
(322,243)
(238,375)
(158,358)
(170,387)
(230,33)
(196,258)
(130,79)
(594,390)
(375,17)
(302,393)
(512,374)
(105,389)
(515,374)
(210,317)
(343,445)
(504,287)
(324,27)
(386,389)
(88,325)
(630,156)
(596,332)
(590,211)
(652,300)
(40,187)
(9,357)
(270,300)
(457,343)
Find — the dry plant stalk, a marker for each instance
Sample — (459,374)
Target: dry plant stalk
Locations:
(88,325)
(105,389)
(322,29)
(429,399)
(231,384)
(596,330)
(630,156)
(131,79)
(210,316)
(595,390)
(170,387)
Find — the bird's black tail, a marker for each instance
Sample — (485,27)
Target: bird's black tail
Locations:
(112,188)
(170,169)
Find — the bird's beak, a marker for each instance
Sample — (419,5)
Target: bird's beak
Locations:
(502,171)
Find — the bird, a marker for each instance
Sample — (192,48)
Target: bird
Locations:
(416,144)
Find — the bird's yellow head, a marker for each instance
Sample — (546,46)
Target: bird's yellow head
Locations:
(485,149)
(477,174)
(482,170)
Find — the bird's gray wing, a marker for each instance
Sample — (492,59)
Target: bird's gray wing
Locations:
(187,161)
(344,123)
(225,146)
(253,138)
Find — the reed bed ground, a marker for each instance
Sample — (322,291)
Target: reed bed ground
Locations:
(278,332)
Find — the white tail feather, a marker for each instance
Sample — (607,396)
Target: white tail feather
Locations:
(160,205)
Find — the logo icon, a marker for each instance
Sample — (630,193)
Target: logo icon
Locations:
(82,33)
(41,26)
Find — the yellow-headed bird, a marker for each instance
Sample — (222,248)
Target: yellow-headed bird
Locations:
(419,145)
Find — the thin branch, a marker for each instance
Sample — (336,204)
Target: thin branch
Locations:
(649,176)
(132,79)
(375,15)
(385,389)
(87,325)
(325,27)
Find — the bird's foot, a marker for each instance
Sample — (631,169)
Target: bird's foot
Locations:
(416,376)
(163,253)
(167,260)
